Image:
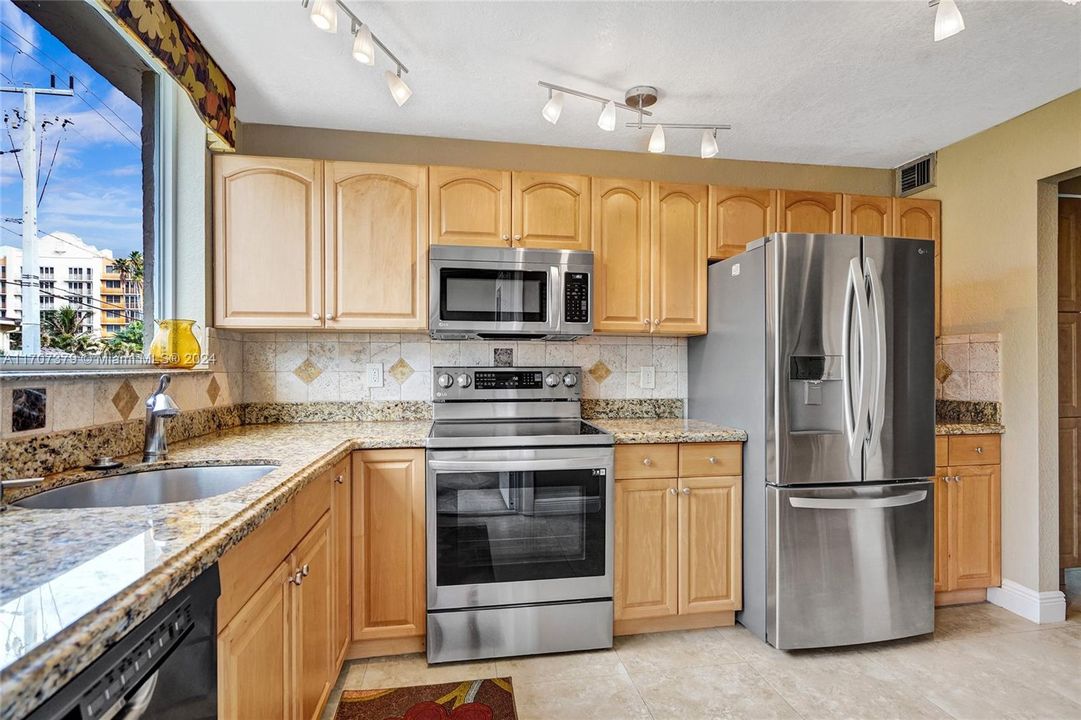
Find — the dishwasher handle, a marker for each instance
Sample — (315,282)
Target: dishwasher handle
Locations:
(858,503)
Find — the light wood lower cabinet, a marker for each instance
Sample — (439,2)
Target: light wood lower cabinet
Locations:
(678,537)
(341,531)
(312,602)
(389,592)
(968,552)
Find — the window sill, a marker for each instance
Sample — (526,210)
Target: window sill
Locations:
(87,373)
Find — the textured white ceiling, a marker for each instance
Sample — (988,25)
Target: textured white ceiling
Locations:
(839,83)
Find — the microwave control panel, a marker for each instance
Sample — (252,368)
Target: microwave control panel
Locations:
(576,298)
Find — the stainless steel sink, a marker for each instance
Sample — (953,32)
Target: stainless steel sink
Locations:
(148,487)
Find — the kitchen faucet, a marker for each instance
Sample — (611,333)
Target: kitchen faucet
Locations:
(158,407)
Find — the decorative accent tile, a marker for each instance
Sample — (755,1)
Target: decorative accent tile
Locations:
(943,371)
(400,371)
(600,371)
(125,398)
(307,371)
(503,357)
(27,409)
(213,390)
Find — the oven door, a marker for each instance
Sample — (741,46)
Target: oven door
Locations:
(494,298)
(515,526)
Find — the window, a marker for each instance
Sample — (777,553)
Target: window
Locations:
(92,153)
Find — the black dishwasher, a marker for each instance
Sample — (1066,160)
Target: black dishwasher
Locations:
(165,669)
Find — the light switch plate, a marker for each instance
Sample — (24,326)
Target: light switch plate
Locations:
(375,375)
(648,377)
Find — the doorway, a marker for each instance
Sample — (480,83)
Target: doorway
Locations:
(1069,396)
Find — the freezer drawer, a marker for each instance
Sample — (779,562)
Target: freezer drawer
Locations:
(849,565)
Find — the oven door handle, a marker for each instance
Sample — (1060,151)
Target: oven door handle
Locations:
(580,463)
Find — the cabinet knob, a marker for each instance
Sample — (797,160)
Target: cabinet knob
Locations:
(646,322)
(305,571)
(712,459)
(506,239)
(671,491)
(686,491)
(339,480)
(647,461)
(656,322)
(979,451)
(517,238)
(330,316)
(315,316)
(297,578)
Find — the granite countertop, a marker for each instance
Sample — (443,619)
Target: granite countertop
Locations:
(969,429)
(669,431)
(76,581)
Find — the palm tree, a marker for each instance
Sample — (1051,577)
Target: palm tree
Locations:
(131,268)
(62,329)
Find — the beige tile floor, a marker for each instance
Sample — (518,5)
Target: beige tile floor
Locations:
(981,662)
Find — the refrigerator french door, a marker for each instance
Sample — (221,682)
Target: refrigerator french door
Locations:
(827,345)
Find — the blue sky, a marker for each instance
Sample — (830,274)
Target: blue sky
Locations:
(95,190)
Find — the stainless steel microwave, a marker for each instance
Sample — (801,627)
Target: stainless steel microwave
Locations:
(513,293)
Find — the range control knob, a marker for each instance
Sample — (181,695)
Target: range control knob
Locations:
(464,380)
(551,380)
(445,380)
(570,379)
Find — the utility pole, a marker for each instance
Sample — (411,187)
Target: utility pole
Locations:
(31,281)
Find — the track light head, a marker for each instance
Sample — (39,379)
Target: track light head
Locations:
(554,107)
(398,89)
(656,139)
(324,15)
(363,47)
(709,144)
(948,20)
(607,120)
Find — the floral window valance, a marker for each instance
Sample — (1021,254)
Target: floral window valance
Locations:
(158,27)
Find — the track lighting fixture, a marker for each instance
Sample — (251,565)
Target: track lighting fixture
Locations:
(363,47)
(398,89)
(709,143)
(656,139)
(554,107)
(607,119)
(948,20)
(324,15)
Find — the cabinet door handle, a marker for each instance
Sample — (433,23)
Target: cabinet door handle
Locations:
(672,491)
(315,316)
(712,460)
(656,322)
(330,316)
(686,491)
(979,451)
(646,322)
(647,461)
(506,239)
(297,578)
(517,238)
(339,480)
(305,571)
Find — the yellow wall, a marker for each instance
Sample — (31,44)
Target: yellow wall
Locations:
(283,141)
(998,275)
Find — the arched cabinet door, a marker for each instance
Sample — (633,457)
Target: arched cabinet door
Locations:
(621,247)
(268,242)
(678,219)
(737,216)
(377,246)
(550,211)
(808,212)
(469,206)
(868,215)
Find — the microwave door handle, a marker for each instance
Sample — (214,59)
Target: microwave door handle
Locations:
(555,317)
(496,466)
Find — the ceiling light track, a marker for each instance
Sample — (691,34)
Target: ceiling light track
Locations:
(551,87)
(324,15)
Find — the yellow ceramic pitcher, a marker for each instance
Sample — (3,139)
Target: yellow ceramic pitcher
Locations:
(175,345)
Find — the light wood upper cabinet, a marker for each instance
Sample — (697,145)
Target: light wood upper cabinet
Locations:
(377,246)
(550,210)
(737,216)
(1069,496)
(678,220)
(867,215)
(974,527)
(255,661)
(1069,364)
(621,242)
(341,509)
(469,206)
(268,242)
(922,219)
(710,521)
(646,544)
(314,620)
(809,212)
(388,544)
(1069,254)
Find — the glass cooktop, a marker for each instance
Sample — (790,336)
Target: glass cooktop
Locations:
(465,434)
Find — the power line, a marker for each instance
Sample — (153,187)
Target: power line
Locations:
(129,313)
(69,72)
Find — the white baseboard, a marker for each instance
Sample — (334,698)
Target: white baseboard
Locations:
(1039,607)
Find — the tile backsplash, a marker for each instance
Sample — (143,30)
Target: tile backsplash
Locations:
(320,367)
(967,367)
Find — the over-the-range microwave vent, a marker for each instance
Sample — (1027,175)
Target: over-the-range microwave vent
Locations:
(912,177)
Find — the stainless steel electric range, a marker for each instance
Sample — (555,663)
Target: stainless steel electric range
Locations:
(519,516)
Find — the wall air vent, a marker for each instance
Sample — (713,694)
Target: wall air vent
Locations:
(917,175)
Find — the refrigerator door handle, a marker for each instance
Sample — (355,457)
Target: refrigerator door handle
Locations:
(855,419)
(878,298)
(858,503)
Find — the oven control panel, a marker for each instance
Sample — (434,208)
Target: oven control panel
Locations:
(464,384)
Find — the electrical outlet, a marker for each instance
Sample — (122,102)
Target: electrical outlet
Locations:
(648,377)
(375,375)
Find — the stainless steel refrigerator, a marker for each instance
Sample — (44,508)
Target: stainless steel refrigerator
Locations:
(822,348)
